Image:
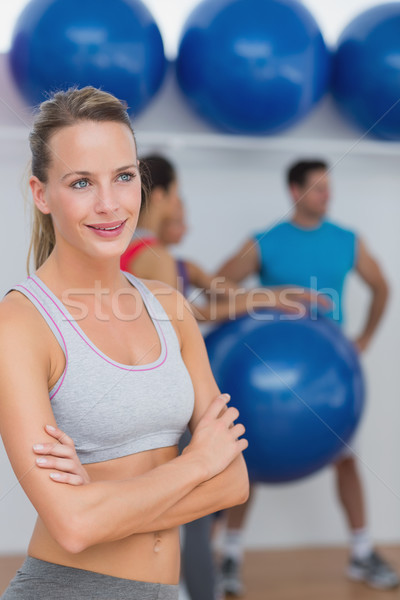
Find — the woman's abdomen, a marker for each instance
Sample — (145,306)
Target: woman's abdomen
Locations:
(152,556)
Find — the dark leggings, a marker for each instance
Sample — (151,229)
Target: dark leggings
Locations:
(197,560)
(198,567)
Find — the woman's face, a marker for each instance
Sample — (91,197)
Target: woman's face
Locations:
(93,191)
(174,228)
(172,200)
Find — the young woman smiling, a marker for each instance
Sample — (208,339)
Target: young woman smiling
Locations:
(90,349)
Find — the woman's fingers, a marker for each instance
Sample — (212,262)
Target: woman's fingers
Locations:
(219,410)
(66,478)
(63,446)
(238,430)
(230,416)
(59,435)
(317,297)
(59,464)
(216,406)
(217,437)
(61,456)
(54,449)
(242,444)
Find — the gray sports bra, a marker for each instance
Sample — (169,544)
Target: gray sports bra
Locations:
(110,409)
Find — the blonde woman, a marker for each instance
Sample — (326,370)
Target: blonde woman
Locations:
(90,349)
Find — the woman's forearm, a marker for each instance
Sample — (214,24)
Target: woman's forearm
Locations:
(110,510)
(223,491)
(237,303)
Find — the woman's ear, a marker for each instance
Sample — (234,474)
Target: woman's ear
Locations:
(38,194)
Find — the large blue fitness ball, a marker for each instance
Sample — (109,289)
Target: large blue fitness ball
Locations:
(366,79)
(298,386)
(252,66)
(112,44)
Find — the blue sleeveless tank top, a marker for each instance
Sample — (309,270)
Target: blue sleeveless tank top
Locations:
(318,258)
(111,409)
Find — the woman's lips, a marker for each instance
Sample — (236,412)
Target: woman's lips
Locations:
(108,230)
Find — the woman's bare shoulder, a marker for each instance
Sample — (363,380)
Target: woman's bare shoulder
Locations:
(20,320)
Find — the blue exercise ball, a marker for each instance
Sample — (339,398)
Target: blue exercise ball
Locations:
(298,386)
(111,44)
(366,73)
(252,66)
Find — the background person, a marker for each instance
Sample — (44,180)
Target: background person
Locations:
(162,223)
(147,255)
(311,252)
(190,274)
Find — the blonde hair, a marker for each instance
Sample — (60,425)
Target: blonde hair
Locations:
(63,109)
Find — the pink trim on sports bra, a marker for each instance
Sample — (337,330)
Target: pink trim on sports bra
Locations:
(96,350)
(61,380)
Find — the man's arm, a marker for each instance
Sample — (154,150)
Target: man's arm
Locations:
(242,264)
(370,272)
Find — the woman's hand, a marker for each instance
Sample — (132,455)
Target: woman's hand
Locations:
(217,439)
(294,299)
(61,458)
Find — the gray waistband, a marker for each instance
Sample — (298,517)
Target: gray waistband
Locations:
(41,580)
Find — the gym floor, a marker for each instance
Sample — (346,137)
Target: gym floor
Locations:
(312,574)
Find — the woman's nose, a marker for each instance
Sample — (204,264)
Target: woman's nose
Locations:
(105,200)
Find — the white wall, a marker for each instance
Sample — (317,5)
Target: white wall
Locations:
(231,188)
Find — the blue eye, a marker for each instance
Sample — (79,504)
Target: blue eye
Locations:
(126,176)
(81,184)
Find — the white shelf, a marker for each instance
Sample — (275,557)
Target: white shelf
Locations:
(267,144)
(217,141)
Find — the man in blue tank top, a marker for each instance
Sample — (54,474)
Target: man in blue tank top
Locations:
(311,252)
